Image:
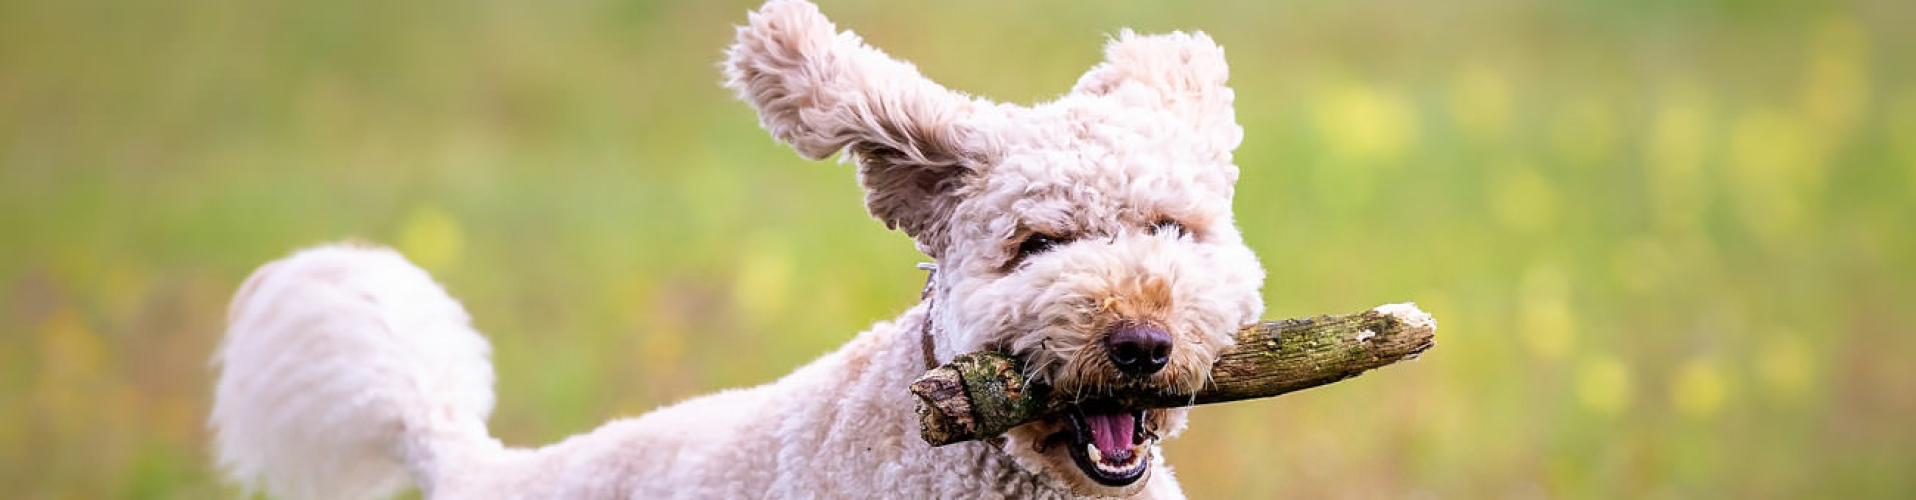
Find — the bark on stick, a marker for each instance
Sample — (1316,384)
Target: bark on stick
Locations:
(983,394)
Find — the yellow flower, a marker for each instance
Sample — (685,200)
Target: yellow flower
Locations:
(1480,101)
(1586,130)
(1836,83)
(72,369)
(1772,166)
(1787,365)
(1674,153)
(1902,130)
(1366,124)
(660,351)
(1603,385)
(1522,199)
(432,238)
(1547,324)
(1699,388)
(764,274)
(67,346)
(1642,264)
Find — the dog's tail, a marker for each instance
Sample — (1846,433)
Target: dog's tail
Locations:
(344,370)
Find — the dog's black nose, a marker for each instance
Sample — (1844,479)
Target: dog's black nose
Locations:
(1138,349)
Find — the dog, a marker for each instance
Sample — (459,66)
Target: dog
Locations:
(1091,237)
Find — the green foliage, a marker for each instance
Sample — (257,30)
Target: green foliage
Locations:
(1669,243)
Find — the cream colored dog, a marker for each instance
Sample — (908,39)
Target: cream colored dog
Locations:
(1090,236)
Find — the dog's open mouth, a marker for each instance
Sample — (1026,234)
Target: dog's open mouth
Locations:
(1110,446)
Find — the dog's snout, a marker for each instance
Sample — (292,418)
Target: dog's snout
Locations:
(1138,349)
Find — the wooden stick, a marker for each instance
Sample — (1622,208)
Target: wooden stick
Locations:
(983,394)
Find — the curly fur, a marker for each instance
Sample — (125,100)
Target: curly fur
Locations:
(346,368)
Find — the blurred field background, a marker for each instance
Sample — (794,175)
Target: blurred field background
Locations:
(1670,243)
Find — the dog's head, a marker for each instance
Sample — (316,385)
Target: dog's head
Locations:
(1090,236)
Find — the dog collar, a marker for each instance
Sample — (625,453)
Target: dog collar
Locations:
(930,348)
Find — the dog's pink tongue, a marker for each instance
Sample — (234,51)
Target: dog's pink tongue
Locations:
(1112,433)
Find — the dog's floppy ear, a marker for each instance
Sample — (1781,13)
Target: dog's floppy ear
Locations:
(1181,72)
(823,91)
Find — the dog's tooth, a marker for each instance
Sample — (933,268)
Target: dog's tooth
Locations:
(1092,450)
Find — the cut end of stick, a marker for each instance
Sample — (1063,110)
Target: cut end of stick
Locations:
(1412,316)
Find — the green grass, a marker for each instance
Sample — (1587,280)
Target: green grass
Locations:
(1669,243)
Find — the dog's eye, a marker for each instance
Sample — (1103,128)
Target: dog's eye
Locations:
(1168,226)
(1036,244)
